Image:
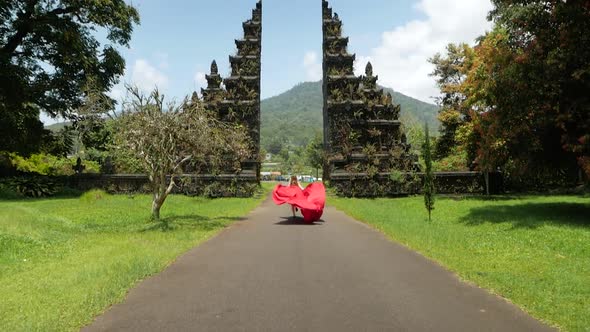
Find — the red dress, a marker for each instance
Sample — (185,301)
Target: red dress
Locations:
(310,200)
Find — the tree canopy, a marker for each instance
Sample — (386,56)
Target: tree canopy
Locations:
(520,95)
(49,50)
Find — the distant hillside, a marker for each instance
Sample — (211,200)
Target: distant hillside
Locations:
(58,126)
(295,115)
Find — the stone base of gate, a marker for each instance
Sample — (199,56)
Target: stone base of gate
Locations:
(410,183)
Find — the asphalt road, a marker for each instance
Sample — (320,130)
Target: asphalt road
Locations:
(272,273)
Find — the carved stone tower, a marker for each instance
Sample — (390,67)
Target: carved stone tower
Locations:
(239,100)
(367,152)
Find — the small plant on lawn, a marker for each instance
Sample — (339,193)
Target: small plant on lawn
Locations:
(429,190)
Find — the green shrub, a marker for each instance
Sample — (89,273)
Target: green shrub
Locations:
(31,186)
(126,163)
(6,167)
(454,162)
(7,193)
(39,163)
(396,176)
(428,187)
(46,164)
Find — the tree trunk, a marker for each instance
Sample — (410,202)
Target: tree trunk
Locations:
(160,194)
(486,176)
(156,209)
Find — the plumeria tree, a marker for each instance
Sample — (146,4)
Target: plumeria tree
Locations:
(165,137)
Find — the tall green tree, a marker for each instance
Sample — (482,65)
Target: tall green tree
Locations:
(450,73)
(538,83)
(314,152)
(48,52)
(515,112)
(456,145)
(20,128)
(58,143)
(94,122)
(519,98)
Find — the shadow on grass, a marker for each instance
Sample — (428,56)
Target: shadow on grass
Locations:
(531,215)
(289,221)
(479,197)
(191,221)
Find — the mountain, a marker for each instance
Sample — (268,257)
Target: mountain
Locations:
(58,126)
(294,116)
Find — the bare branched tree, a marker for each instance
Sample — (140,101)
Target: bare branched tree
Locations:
(165,137)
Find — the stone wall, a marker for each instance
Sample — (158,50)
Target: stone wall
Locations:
(410,183)
(192,185)
(349,185)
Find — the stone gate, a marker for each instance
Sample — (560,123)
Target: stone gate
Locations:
(366,150)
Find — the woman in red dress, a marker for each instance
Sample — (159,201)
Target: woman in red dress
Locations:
(294,182)
(310,200)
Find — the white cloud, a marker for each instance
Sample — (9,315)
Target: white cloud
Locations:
(401,60)
(117,92)
(147,77)
(162,59)
(48,120)
(312,65)
(200,80)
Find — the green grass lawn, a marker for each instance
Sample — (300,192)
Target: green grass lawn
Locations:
(65,260)
(534,251)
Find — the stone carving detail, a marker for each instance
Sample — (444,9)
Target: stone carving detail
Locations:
(214,69)
(369,69)
(365,145)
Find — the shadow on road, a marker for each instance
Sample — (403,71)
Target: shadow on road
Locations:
(297,221)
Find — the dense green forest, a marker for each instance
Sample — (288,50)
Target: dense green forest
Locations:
(293,117)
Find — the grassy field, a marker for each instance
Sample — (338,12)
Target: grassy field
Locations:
(65,260)
(534,251)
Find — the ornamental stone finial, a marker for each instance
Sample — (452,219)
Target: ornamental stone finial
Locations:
(214,69)
(369,69)
(195,97)
(389,98)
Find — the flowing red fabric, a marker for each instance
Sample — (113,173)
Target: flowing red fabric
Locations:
(310,200)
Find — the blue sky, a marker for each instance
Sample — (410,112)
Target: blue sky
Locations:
(177,40)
